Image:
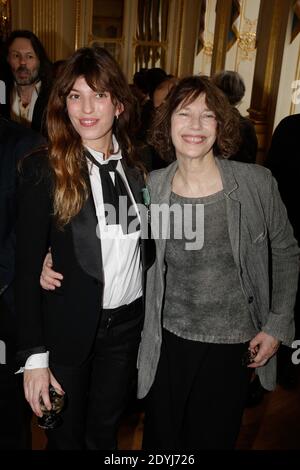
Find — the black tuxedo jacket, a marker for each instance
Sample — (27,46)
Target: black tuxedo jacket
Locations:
(63,321)
(283,161)
(15,142)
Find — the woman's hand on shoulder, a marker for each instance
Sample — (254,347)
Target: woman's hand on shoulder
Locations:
(49,278)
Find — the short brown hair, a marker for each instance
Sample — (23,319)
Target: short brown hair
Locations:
(232,84)
(185,92)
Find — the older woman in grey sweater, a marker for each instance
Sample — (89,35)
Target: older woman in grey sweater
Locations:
(219,305)
(220,296)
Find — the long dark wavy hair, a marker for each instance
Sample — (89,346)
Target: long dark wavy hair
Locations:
(66,152)
(185,92)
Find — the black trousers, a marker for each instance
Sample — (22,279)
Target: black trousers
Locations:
(198,396)
(15,414)
(97,393)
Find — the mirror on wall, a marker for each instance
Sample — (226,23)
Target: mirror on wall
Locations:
(150,30)
(107,25)
(151,33)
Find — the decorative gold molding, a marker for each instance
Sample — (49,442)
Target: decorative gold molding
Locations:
(45,24)
(137,42)
(223,15)
(180,48)
(77,25)
(83,22)
(208,48)
(247,44)
(271,31)
(149,40)
(5,18)
(92,38)
(247,38)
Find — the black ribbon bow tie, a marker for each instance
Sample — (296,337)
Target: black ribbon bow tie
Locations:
(117,196)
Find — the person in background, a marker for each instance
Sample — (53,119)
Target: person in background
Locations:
(214,312)
(283,162)
(232,84)
(29,81)
(79,196)
(159,96)
(140,86)
(162,90)
(57,68)
(147,81)
(15,142)
(151,79)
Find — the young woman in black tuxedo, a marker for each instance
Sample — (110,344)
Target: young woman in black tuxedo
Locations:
(83,337)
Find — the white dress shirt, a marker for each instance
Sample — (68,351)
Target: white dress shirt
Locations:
(120,253)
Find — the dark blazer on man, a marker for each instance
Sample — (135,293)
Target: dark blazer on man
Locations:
(15,142)
(283,161)
(63,321)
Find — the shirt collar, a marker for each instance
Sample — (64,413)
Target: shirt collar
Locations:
(37,88)
(99,155)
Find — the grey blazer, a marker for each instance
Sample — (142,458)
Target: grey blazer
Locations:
(258,229)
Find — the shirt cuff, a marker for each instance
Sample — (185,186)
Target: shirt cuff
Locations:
(36,361)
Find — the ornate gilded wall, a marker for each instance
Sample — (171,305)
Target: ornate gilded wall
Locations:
(258,38)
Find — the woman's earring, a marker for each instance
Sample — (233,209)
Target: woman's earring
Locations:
(116,116)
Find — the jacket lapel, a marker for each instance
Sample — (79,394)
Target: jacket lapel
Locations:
(233,206)
(85,228)
(136,183)
(160,197)
(86,241)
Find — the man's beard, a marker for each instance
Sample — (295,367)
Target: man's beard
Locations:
(31,78)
